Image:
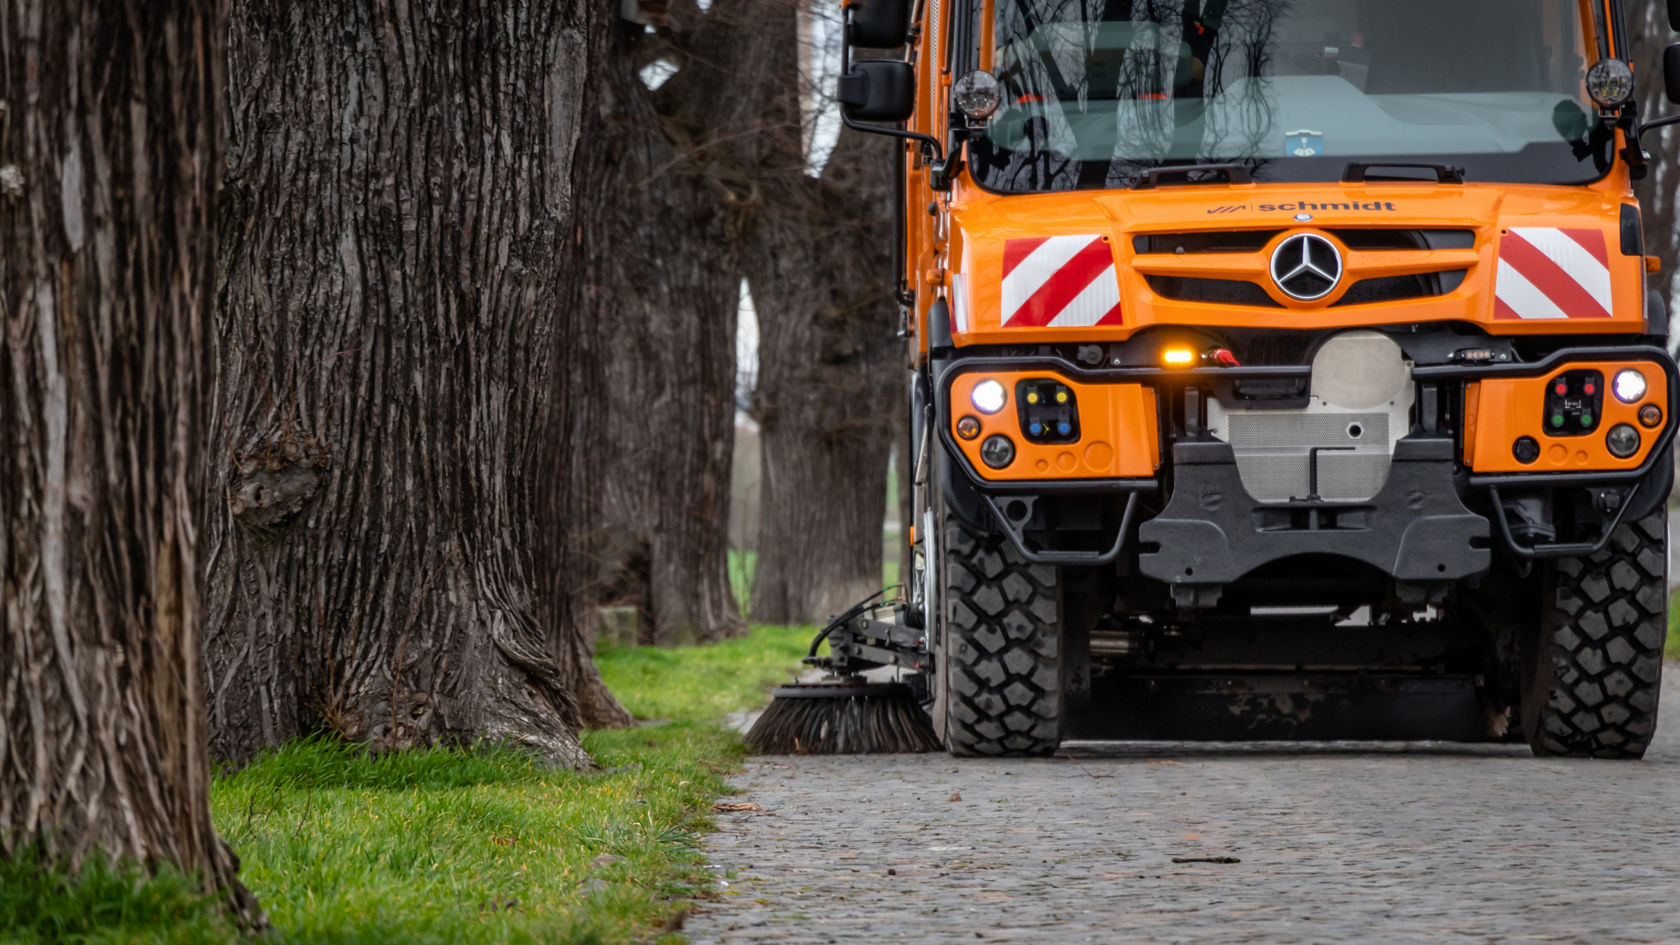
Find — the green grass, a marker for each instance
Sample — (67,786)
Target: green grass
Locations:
(487,845)
(704,681)
(741,565)
(449,845)
(104,905)
(1671,647)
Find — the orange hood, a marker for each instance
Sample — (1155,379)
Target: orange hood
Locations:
(1101,265)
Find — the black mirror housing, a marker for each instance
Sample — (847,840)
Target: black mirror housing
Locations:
(1671,72)
(1674,14)
(878,90)
(885,24)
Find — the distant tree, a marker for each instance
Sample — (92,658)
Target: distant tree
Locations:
(1651,34)
(673,190)
(395,339)
(108,167)
(832,379)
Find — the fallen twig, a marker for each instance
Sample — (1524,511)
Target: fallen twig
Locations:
(1088,771)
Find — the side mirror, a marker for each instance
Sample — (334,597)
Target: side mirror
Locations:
(880,90)
(1671,70)
(885,24)
(1674,14)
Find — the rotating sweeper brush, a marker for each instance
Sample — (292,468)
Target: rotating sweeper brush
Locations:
(845,713)
(843,717)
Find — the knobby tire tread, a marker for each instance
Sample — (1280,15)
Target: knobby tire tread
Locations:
(1601,651)
(1003,660)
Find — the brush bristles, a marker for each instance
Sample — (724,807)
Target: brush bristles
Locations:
(863,722)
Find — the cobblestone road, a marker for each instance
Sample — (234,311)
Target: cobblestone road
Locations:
(1337,843)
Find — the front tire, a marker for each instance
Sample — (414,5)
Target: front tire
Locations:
(1001,658)
(1592,669)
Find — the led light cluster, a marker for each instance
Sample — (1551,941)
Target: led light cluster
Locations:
(1574,405)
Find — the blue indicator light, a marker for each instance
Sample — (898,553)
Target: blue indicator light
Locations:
(1036,429)
(1064,428)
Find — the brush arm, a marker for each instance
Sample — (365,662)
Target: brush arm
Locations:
(878,637)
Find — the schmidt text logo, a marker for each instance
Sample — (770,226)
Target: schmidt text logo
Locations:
(1373,206)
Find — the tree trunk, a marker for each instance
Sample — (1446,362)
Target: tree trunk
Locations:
(399,209)
(108,157)
(671,193)
(1650,32)
(831,375)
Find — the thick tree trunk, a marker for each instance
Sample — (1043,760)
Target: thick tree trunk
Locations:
(671,194)
(108,165)
(830,379)
(1648,26)
(569,614)
(397,212)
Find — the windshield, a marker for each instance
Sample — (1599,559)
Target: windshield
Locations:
(1098,91)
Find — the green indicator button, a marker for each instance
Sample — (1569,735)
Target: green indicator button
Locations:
(1557,419)
(1586,419)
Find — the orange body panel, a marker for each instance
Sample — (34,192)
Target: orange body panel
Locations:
(984,223)
(958,237)
(1472,409)
(1119,433)
(924,231)
(1500,410)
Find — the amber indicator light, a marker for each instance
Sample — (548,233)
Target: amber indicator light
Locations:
(1650,415)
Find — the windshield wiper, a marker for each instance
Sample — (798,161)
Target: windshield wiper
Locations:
(1357,173)
(1233,174)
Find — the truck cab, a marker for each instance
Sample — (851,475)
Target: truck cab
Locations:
(1281,370)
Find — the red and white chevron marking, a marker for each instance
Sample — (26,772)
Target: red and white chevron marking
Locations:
(1546,272)
(1058,282)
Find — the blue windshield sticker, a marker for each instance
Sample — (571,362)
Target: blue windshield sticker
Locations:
(1305,144)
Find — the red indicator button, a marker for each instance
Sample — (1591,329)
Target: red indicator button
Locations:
(1589,389)
(1563,388)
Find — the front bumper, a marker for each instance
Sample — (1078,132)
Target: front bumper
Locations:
(1416,529)
(1436,519)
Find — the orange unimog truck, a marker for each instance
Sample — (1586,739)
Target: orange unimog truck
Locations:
(1283,368)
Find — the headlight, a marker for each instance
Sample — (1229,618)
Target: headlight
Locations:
(988,396)
(997,451)
(978,94)
(1623,440)
(1629,386)
(1610,83)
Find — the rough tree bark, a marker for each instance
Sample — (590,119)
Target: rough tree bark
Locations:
(1648,26)
(670,199)
(830,378)
(398,206)
(108,158)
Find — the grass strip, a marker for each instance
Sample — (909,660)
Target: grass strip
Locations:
(451,845)
(104,904)
(703,683)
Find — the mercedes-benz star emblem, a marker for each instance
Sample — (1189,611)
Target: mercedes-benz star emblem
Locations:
(1306,266)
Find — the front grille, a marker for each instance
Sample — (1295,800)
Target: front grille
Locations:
(1217,241)
(1423,285)
(1241,292)
(1214,291)
(1359,239)
(1400,240)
